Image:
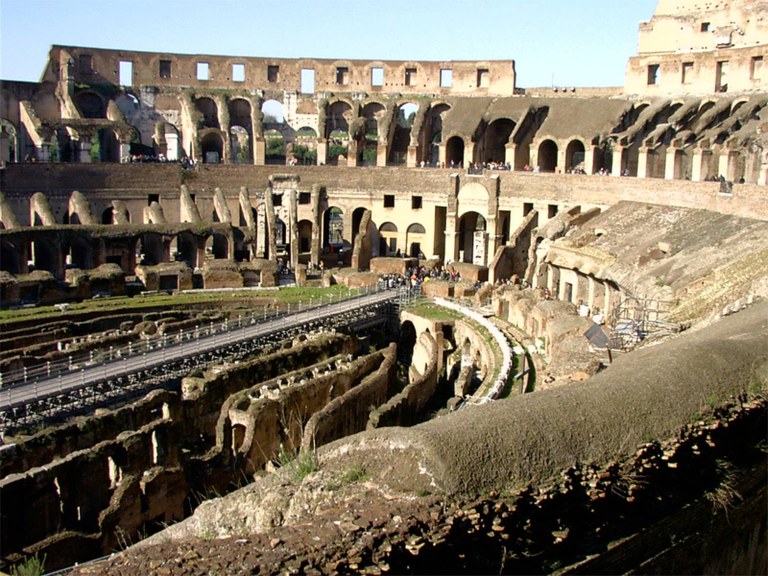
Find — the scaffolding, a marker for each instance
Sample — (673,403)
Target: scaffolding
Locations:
(635,319)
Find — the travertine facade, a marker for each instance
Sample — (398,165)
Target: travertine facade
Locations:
(701,47)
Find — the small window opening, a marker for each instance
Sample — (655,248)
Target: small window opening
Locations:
(551,210)
(202,71)
(416,203)
(410,76)
(125,73)
(687,72)
(153,198)
(273,73)
(527,208)
(307,81)
(653,74)
(483,78)
(342,75)
(238,72)
(377,76)
(165,68)
(704,27)
(446,78)
(756,68)
(277,199)
(389,200)
(305,197)
(85,63)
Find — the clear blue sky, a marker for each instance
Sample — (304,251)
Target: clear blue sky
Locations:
(565,42)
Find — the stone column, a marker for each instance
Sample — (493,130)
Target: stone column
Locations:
(293,218)
(84,149)
(316,198)
(696,161)
(469,154)
(322,151)
(669,163)
(381,154)
(352,150)
(259,152)
(589,160)
(509,154)
(642,162)
(411,159)
(618,153)
(451,254)
(270,223)
(723,164)
(561,160)
(125,151)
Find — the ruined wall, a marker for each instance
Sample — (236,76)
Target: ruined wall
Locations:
(347,414)
(406,407)
(273,75)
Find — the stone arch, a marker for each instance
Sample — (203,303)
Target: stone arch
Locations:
(151,249)
(9,142)
(90,104)
(11,257)
(108,144)
(212,146)
(357,217)
(547,157)
(217,246)
(186,248)
(242,152)
(575,155)
(79,253)
(415,236)
(472,238)
(454,151)
(473,197)
(432,132)
(209,112)
(333,226)
(387,239)
(339,116)
(406,343)
(167,140)
(305,236)
(368,142)
(495,140)
(401,136)
(46,255)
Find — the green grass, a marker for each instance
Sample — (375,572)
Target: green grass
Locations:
(163,300)
(298,466)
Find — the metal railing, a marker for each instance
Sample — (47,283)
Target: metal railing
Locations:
(74,362)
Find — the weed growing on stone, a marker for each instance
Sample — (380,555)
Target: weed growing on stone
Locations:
(32,566)
(300,465)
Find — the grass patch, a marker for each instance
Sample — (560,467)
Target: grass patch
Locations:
(298,466)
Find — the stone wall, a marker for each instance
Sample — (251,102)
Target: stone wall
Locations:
(406,407)
(348,413)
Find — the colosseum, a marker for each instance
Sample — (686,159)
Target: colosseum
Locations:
(545,342)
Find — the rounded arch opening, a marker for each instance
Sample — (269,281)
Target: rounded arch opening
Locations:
(212,147)
(574,156)
(454,151)
(209,113)
(547,156)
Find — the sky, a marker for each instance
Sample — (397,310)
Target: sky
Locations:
(580,43)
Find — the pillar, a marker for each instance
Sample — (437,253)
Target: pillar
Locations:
(669,163)
(84,150)
(698,158)
(411,160)
(616,161)
(642,162)
(589,159)
(125,151)
(509,154)
(450,247)
(322,152)
(381,154)
(722,164)
(316,198)
(259,152)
